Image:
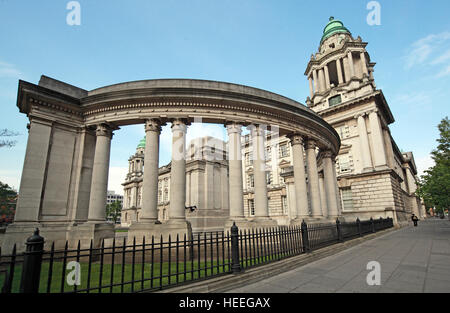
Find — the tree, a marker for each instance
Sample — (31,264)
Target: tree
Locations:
(6,142)
(8,199)
(114,210)
(434,186)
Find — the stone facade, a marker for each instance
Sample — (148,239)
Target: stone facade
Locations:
(206,186)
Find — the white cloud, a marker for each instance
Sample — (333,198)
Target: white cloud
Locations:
(429,46)
(9,70)
(444,72)
(116,178)
(442,58)
(423,164)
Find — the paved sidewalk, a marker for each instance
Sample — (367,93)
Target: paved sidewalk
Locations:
(412,260)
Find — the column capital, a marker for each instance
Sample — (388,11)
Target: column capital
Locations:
(234,128)
(373,111)
(104,130)
(256,130)
(310,144)
(361,114)
(328,154)
(153,125)
(179,125)
(296,139)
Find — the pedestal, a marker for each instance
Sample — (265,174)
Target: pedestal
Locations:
(140,230)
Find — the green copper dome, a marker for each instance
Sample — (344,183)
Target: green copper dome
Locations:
(333,27)
(141,143)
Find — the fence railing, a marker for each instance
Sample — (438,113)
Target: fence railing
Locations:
(156,264)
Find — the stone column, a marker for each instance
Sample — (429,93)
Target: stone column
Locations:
(389,148)
(323,195)
(330,184)
(322,80)
(316,81)
(236,186)
(99,185)
(259,172)
(177,211)
(364,142)
(338,195)
(364,64)
(32,181)
(327,77)
(339,71)
(313,178)
(301,192)
(151,163)
(351,64)
(377,139)
(311,92)
(346,69)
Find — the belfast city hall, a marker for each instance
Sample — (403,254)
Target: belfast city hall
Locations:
(283,162)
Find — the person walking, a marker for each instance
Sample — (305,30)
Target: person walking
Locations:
(415,219)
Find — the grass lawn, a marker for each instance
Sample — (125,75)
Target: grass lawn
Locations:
(127,275)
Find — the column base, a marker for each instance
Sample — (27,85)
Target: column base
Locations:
(172,228)
(95,231)
(368,169)
(381,168)
(57,233)
(262,222)
(241,223)
(298,221)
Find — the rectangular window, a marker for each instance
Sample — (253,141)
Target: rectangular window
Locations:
(269,178)
(343,131)
(335,100)
(268,153)
(345,163)
(284,150)
(251,207)
(250,181)
(347,199)
(284,204)
(248,159)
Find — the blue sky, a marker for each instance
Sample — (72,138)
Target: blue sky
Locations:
(260,43)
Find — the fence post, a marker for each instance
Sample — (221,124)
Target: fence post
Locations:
(305,239)
(372,224)
(235,264)
(339,230)
(358,223)
(31,271)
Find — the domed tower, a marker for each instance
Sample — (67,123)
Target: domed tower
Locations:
(341,70)
(370,167)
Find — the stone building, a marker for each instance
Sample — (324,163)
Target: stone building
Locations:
(374,176)
(112,197)
(206,186)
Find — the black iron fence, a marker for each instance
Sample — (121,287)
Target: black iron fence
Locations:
(156,264)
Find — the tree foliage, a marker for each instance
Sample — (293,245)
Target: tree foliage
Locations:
(7,142)
(114,210)
(434,186)
(8,199)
